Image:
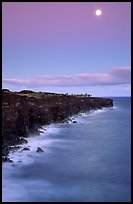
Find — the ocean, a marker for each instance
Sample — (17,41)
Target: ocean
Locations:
(87,161)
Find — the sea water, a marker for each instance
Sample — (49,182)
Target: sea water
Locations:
(87,161)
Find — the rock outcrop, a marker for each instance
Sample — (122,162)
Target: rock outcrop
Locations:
(24,112)
(26,148)
(39,149)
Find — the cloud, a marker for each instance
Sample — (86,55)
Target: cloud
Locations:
(116,76)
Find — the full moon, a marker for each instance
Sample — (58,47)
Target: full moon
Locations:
(98,12)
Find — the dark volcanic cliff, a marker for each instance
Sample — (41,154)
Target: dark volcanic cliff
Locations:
(24,112)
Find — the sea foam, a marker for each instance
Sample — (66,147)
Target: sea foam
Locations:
(43,141)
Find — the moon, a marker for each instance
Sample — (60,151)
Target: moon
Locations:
(98,12)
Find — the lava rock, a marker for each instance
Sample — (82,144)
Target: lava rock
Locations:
(29,155)
(74,121)
(26,148)
(6,159)
(25,111)
(39,149)
(15,147)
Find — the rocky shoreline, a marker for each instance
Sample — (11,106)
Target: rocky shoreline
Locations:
(24,112)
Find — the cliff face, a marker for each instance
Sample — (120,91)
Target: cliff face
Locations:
(23,113)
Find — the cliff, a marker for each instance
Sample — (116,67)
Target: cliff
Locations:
(23,112)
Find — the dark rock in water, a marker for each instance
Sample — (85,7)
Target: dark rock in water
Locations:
(26,148)
(29,155)
(70,120)
(6,159)
(19,160)
(74,121)
(40,131)
(39,149)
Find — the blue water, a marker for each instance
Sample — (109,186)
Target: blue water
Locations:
(88,161)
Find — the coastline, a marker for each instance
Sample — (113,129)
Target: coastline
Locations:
(22,115)
(18,154)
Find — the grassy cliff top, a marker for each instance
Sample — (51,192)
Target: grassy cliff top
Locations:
(30,93)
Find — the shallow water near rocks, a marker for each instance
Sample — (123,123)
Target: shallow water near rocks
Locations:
(87,161)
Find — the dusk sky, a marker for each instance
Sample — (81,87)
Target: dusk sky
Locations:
(65,47)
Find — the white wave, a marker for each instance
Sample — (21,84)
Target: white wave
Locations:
(84,114)
(81,117)
(46,138)
(98,111)
(43,141)
(114,107)
(52,129)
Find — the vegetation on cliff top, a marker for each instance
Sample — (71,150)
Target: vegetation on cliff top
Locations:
(30,93)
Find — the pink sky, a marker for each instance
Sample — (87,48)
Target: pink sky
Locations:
(66,44)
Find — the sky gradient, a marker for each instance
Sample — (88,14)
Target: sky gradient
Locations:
(64,47)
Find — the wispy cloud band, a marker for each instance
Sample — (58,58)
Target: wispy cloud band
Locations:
(116,76)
